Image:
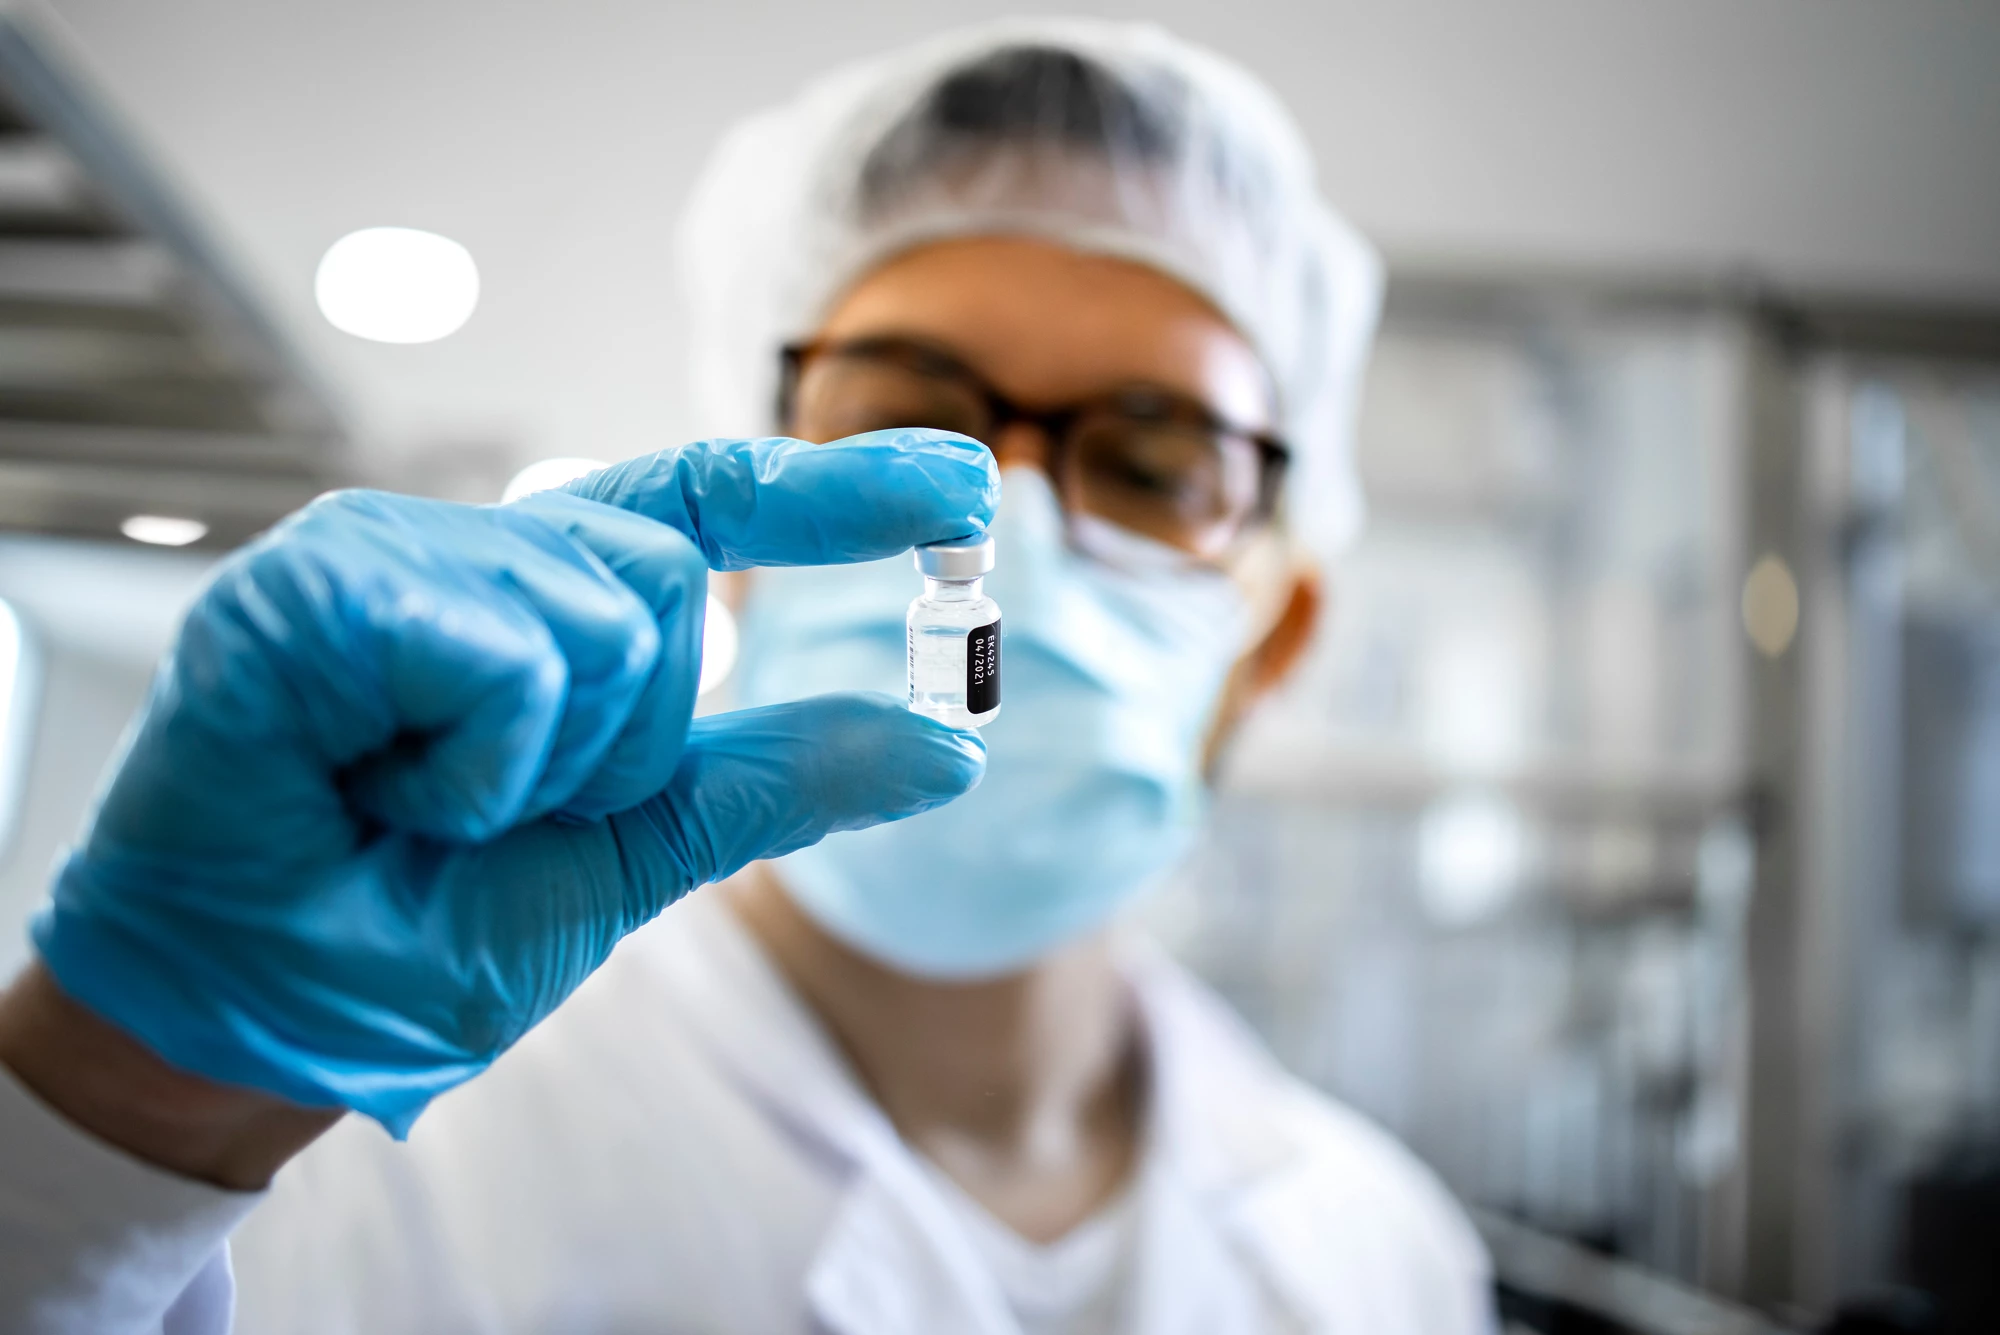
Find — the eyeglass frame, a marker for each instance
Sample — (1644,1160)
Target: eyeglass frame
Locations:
(1274,455)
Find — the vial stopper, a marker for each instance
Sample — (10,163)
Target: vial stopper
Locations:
(961,558)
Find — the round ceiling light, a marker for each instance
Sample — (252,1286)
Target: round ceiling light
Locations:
(163,530)
(397,285)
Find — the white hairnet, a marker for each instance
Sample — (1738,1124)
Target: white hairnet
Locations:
(1109,137)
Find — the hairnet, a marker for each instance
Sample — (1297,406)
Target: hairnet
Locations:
(1108,137)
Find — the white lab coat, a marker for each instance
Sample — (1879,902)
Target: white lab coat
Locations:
(681,1148)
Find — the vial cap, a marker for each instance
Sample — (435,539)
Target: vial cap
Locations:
(961,558)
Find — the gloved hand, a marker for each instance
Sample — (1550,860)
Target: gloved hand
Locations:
(414,768)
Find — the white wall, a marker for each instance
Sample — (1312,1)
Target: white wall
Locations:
(1853,143)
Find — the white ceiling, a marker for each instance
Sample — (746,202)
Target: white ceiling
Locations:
(1842,143)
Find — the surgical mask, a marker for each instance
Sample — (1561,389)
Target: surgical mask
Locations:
(1115,655)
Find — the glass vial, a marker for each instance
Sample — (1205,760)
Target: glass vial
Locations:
(954,633)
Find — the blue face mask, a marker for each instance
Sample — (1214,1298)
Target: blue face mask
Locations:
(1113,661)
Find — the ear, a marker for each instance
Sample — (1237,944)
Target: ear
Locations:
(1269,662)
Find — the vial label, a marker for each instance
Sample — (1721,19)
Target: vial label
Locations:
(955,672)
(982,668)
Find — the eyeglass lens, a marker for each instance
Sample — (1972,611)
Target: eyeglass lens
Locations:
(1133,461)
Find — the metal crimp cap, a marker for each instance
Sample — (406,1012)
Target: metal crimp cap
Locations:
(961,558)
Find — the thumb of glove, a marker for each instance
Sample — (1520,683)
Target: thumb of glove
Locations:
(760,783)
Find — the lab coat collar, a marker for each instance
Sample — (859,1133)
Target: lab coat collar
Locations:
(1229,1211)
(1216,1245)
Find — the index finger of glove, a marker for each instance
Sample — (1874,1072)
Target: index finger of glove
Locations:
(784,502)
(667,574)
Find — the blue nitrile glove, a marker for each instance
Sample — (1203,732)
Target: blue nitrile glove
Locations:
(414,768)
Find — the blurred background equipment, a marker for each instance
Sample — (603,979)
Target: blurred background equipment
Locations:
(1630,847)
(1630,844)
(140,385)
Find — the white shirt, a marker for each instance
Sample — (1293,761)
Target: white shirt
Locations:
(1075,1285)
(681,1148)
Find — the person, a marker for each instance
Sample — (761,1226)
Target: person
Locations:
(907,1077)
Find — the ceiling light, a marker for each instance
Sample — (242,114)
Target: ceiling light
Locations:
(397,285)
(546,474)
(163,530)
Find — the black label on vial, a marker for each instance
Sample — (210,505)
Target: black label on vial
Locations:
(982,669)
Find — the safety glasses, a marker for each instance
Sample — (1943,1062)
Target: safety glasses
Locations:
(1148,459)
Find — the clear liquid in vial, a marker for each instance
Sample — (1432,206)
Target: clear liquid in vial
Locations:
(954,654)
